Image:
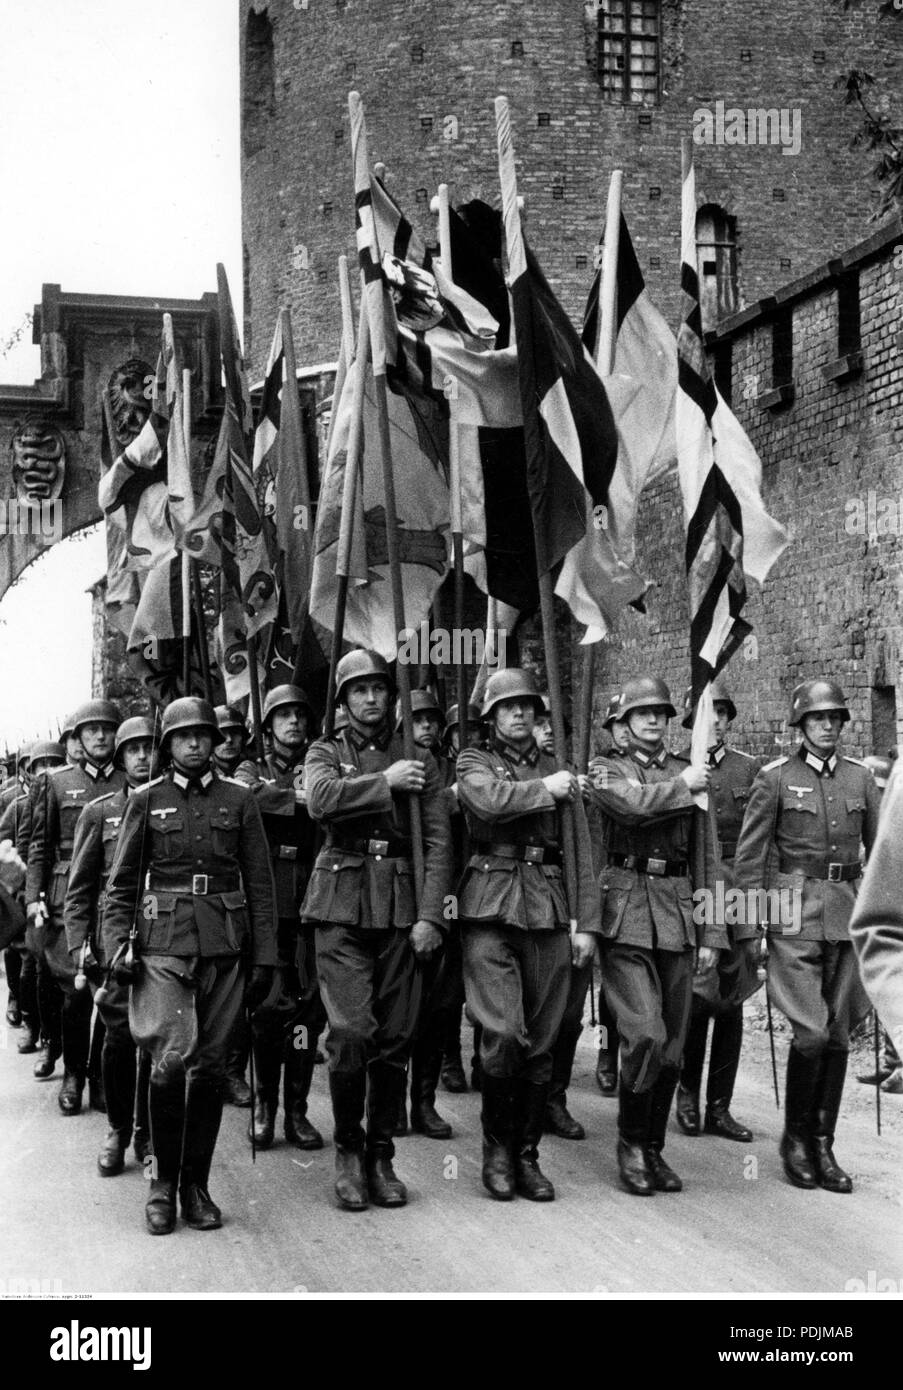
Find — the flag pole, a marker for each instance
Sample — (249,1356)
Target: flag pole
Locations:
(349,502)
(346,355)
(373,292)
(511,217)
(454,471)
(185,556)
(605,361)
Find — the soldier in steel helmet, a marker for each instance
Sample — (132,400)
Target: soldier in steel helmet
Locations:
(93,850)
(808,817)
(191,888)
(285,1036)
(659,848)
(718,995)
(372,932)
(515,923)
(59,798)
(231,752)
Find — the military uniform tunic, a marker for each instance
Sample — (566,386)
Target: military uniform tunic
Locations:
(93,850)
(802,834)
(876,927)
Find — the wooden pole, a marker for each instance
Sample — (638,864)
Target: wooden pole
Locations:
(377,331)
(349,502)
(454,482)
(517,266)
(185,556)
(201,629)
(605,359)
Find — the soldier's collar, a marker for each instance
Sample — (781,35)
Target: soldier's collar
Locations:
(716,755)
(379,738)
(100,774)
(287,764)
(647,759)
(819,765)
(528,755)
(183,782)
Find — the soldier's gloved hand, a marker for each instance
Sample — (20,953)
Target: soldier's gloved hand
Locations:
(706,959)
(586,786)
(260,986)
(583,948)
(425,939)
(407,775)
(697,777)
(90,966)
(562,785)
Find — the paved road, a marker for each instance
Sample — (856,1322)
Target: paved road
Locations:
(737,1227)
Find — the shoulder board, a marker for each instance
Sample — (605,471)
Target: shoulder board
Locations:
(751,757)
(856,761)
(233,782)
(145,786)
(107,796)
(682,756)
(55,771)
(778,762)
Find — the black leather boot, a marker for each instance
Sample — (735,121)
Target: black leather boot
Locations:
(607,1071)
(13,1012)
(166,1106)
(529,1179)
(97,1099)
(203,1113)
(267,1066)
(687,1109)
(385,1088)
(664,1177)
(727,1040)
(633,1133)
(76,1033)
(297,1076)
(498,1137)
(426,1063)
(557,1119)
(46,1062)
(348,1092)
(796,1145)
(828,1171)
(452,1075)
(71,1092)
(118,1066)
(720,1121)
(28,1038)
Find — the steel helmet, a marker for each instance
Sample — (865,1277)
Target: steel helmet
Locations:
(720,696)
(816,697)
(421,701)
(511,684)
(281,696)
(359,663)
(641,693)
(68,728)
(45,748)
(138,726)
(473,716)
(190,712)
(96,712)
(613,713)
(228,717)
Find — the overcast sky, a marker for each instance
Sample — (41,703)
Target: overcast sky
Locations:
(119,164)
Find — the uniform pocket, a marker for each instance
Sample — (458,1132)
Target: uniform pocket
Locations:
(487,887)
(235,923)
(168,840)
(805,805)
(334,891)
(156,920)
(224,832)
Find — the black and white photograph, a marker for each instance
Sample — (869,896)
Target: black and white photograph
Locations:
(451,635)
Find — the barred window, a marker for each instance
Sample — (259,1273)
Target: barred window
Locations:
(628,55)
(716,263)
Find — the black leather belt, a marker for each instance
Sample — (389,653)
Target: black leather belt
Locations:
(829,870)
(660,868)
(530,854)
(392,848)
(200,886)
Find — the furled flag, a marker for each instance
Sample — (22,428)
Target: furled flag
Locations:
(154,646)
(150,481)
(642,390)
(729,532)
(570,438)
(122,590)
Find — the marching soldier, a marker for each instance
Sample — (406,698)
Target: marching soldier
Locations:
(191,890)
(75,753)
(286,1036)
(656,846)
(93,849)
(58,800)
(876,927)
(15,826)
(226,758)
(515,925)
(807,818)
(371,937)
(719,995)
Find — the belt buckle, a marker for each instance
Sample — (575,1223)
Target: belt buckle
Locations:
(378,848)
(199,885)
(835,873)
(288,851)
(534,854)
(657,867)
